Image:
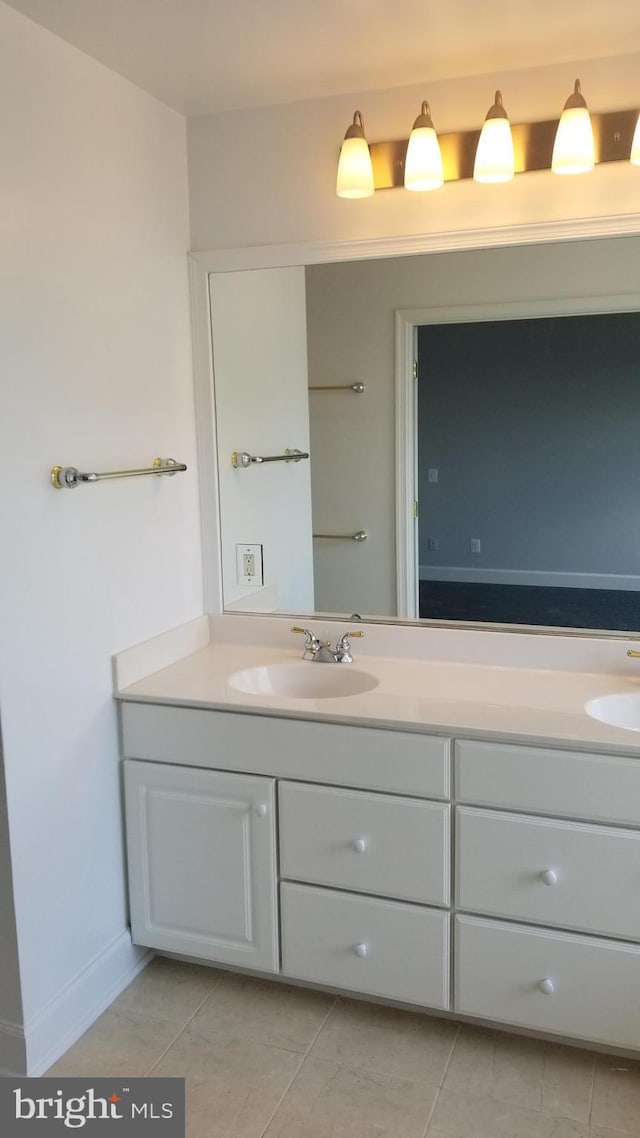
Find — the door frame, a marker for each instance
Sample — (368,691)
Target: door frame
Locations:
(407,322)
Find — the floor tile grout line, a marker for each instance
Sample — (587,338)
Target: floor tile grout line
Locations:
(329,1011)
(297,1071)
(183,1028)
(441,1083)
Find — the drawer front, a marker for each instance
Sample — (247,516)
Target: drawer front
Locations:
(374,843)
(397,761)
(364,944)
(600,788)
(552,982)
(552,873)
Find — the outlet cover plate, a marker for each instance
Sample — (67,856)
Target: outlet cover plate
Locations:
(249,566)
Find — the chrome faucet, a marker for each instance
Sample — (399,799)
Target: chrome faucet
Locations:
(321,651)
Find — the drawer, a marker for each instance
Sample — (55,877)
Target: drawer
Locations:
(374,843)
(553,873)
(600,788)
(397,761)
(549,981)
(365,944)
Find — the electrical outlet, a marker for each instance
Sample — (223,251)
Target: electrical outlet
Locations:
(249,565)
(432,474)
(476,545)
(432,544)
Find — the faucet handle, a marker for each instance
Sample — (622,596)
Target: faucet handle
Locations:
(312,643)
(343,642)
(343,648)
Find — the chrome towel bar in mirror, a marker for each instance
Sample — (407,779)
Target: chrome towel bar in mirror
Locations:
(242,459)
(357,387)
(361,535)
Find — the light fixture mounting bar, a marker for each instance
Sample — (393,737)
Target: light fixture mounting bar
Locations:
(532,144)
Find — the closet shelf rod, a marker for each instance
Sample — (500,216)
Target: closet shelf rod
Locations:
(242,459)
(68,477)
(357,387)
(361,535)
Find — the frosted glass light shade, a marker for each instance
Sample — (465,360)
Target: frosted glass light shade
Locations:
(573,149)
(635,145)
(423,163)
(494,160)
(355,171)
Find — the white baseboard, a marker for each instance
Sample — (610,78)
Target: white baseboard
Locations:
(48,1035)
(529,577)
(13,1049)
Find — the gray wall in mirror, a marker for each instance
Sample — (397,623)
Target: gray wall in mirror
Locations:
(351,338)
(532,426)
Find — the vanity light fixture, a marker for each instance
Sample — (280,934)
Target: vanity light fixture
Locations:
(355,171)
(423,164)
(635,145)
(491,155)
(494,161)
(573,149)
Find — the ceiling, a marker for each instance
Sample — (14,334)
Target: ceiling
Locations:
(203,56)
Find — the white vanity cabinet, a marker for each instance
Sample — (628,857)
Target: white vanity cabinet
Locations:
(202,863)
(364,828)
(492,880)
(529,886)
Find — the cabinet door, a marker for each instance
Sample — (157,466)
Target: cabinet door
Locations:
(202,863)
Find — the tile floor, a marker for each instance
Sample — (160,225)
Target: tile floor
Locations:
(262,1059)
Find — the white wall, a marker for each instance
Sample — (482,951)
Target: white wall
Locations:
(260,364)
(267,176)
(96,372)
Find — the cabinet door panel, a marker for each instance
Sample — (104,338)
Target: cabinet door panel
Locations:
(400,762)
(202,863)
(543,780)
(568,874)
(373,843)
(578,986)
(366,944)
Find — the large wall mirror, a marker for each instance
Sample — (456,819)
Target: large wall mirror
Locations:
(518,440)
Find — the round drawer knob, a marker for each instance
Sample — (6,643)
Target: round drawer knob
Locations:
(261,810)
(547,986)
(549,876)
(359,845)
(360,950)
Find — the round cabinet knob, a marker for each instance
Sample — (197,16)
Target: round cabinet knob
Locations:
(359,845)
(549,876)
(261,810)
(360,950)
(547,986)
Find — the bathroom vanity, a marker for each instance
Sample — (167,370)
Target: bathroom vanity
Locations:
(474,850)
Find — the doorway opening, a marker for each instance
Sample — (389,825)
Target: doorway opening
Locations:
(525,456)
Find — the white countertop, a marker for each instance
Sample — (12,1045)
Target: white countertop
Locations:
(523,705)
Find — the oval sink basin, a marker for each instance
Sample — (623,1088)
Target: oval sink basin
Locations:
(620,710)
(303,681)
